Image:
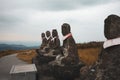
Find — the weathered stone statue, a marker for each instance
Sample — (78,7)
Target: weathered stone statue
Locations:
(48,36)
(44,41)
(70,50)
(52,49)
(109,62)
(55,43)
(45,46)
(42,59)
(53,46)
(41,50)
(66,66)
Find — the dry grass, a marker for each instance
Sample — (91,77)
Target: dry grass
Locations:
(9,52)
(27,55)
(5,53)
(89,55)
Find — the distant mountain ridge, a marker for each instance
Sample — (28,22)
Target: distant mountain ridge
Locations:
(15,47)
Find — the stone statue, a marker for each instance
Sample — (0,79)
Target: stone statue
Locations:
(66,66)
(109,62)
(48,36)
(42,53)
(44,41)
(69,49)
(55,43)
(43,44)
(43,58)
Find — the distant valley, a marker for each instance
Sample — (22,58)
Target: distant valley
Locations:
(15,47)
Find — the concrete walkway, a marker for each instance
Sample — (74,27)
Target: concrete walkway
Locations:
(6,64)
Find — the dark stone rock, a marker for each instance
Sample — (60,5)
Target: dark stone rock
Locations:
(87,73)
(65,72)
(46,59)
(43,69)
(46,78)
(42,59)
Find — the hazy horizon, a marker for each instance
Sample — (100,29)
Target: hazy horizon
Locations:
(31,43)
(25,43)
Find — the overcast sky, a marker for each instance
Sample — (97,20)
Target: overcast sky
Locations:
(25,20)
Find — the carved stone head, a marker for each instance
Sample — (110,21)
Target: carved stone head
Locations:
(48,33)
(42,35)
(65,29)
(54,33)
(112,27)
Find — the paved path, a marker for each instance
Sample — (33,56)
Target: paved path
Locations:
(6,64)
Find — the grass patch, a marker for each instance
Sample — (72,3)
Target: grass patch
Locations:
(9,52)
(27,55)
(89,55)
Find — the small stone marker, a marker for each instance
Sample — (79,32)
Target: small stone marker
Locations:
(23,72)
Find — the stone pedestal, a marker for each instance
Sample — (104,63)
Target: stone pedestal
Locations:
(23,72)
(66,72)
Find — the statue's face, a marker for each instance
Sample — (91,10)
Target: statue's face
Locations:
(48,33)
(65,29)
(43,35)
(112,27)
(54,33)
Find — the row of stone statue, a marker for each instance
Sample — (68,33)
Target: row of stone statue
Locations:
(50,44)
(57,60)
(63,63)
(66,54)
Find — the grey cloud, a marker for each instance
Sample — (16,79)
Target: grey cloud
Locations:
(9,15)
(69,4)
(9,20)
(50,5)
